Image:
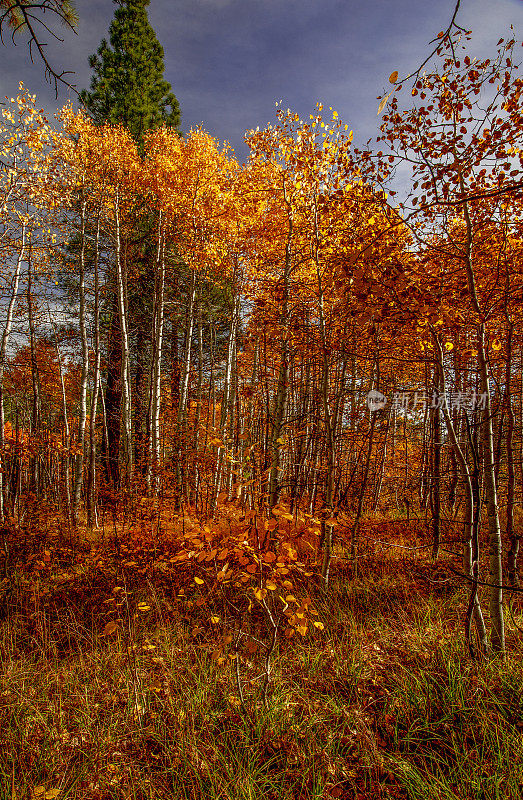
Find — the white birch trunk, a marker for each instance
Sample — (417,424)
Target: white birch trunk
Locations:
(91,491)
(470,558)
(82,416)
(154,437)
(126,376)
(497,631)
(67,438)
(184,393)
(3,351)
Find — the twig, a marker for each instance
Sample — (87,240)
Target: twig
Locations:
(27,21)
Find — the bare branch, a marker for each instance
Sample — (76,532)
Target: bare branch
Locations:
(20,15)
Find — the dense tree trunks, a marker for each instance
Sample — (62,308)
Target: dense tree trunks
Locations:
(227,401)
(472,508)
(374,378)
(182,411)
(113,399)
(328,422)
(239,334)
(381,467)
(3,352)
(277,414)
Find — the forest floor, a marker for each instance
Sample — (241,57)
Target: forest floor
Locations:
(114,683)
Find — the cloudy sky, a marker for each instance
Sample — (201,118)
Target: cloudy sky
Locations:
(229,61)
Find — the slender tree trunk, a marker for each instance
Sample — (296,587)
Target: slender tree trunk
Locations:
(66,437)
(186,371)
(180,465)
(154,440)
(3,352)
(91,475)
(36,405)
(113,399)
(175,369)
(82,414)
(495,546)
(512,535)
(227,400)
(381,469)
(471,520)
(435,497)
(126,372)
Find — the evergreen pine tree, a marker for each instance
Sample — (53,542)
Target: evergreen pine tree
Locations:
(128,86)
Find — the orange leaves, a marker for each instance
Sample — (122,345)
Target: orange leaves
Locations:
(191,180)
(110,628)
(43,794)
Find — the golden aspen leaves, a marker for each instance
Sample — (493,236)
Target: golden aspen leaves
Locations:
(383,103)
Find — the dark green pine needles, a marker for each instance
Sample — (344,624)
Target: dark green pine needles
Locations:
(128,86)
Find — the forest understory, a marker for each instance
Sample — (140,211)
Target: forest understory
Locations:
(122,677)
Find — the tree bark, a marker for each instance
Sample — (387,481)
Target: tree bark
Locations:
(3,352)
(82,414)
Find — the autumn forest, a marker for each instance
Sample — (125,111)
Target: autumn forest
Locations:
(261,442)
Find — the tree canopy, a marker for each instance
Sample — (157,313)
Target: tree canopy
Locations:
(128,84)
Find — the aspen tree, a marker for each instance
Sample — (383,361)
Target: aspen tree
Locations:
(3,352)
(82,416)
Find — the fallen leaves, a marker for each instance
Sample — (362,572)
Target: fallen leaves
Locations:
(110,628)
(43,794)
